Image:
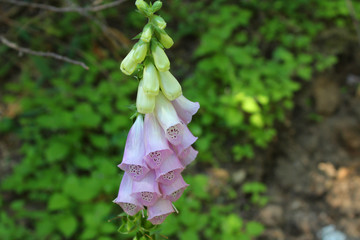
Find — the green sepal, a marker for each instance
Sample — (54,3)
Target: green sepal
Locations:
(138,36)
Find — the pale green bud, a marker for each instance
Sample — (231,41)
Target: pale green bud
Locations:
(151,79)
(164,38)
(170,86)
(161,61)
(147,33)
(156,6)
(144,103)
(140,51)
(159,21)
(142,5)
(128,64)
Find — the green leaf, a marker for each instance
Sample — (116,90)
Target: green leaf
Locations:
(85,116)
(249,105)
(189,235)
(81,189)
(99,141)
(67,225)
(257,120)
(254,229)
(56,151)
(58,201)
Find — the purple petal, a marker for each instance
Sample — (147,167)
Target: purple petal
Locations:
(159,211)
(169,171)
(134,153)
(188,156)
(174,191)
(187,140)
(156,145)
(168,119)
(185,108)
(146,191)
(124,199)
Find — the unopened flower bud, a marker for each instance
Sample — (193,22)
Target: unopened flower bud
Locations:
(161,61)
(142,5)
(151,79)
(156,6)
(128,65)
(144,103)
(164,38)
(170,86)
(147,33)
(140,51)
(159,21)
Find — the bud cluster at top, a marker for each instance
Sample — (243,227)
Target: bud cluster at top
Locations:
(148,54)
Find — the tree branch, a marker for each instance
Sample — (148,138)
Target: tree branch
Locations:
(65,9)
(42,54)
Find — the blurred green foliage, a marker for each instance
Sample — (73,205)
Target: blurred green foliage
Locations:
(197,221)
(243,61)
(251,59)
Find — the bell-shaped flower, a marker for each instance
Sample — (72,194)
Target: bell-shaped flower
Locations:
(168,119)
(156,146)
(124,199)
(159,21)
(169,170)
(151,79)
(170,86)
(185,108)
(174,191)
(144,102)
(133,161)
(140,51)
(146,191)
(159,211)
(128,65)
(188,156)
(188,139)
(161,61)
(147,33)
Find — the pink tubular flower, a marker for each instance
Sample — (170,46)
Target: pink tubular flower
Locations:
(185,108)
(128,203)
(134,153)
(168,119)
(174,191)
(187,140)
(188,156)
(156,146)
(159,211)
(147,190)
(169,170)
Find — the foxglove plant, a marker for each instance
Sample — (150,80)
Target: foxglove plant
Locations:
(159,144)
